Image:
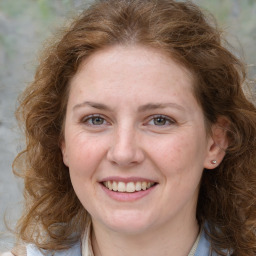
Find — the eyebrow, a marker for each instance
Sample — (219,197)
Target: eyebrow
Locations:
(93,105)
(152,106)
(143,108)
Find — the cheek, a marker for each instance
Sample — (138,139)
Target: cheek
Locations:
(85,153)
(179,154)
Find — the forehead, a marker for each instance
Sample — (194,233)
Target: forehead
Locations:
(124,62)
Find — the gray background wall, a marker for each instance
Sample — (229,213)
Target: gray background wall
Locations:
(25,24)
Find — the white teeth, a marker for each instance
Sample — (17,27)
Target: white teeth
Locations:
(138,186)
(121,187)
(109,185)
(114,186)
(129,187)
(144,185)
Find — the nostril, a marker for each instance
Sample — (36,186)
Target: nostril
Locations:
(123,155)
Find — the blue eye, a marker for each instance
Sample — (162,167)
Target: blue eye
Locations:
(94,120)
(161,121)
(97,120)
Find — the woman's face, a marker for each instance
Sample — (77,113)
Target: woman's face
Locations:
(135,140)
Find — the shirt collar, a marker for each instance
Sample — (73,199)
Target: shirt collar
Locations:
(201,246)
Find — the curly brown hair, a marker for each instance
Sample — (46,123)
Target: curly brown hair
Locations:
(53,217)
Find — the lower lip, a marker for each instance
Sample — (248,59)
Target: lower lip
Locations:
(127,197)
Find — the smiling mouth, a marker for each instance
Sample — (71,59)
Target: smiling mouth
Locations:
(129,187)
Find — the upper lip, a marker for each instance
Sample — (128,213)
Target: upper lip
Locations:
(127,179)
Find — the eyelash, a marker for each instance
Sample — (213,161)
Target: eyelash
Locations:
(167,119)
(89,120)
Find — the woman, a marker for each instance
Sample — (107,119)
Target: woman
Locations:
(140,140)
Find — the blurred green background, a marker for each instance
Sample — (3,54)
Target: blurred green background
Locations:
(25,25)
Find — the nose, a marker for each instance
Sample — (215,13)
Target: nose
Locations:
(125,149)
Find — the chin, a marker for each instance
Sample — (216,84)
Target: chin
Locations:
(129,222)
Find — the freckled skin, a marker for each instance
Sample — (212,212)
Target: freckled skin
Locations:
(129,143)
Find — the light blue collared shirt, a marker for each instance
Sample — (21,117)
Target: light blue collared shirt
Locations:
(203,249)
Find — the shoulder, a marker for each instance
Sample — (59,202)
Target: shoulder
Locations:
(32,250)
(204,246)
(6,254)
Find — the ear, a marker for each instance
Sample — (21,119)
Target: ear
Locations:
(217,143)
(64,153)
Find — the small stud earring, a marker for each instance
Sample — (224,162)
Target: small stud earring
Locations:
(214,162)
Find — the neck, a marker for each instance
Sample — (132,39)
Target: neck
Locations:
(173,239)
